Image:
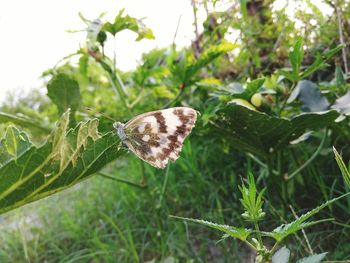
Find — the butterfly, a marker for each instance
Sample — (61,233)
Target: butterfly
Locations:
(157,137)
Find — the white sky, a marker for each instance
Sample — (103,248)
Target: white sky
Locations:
(33,33)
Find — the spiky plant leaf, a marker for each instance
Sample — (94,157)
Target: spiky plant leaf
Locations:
(184,67)
(313,259)
(208,56)
(235,232)
(251,202)
(126,22)
(295,57)
(28,172)
(285,230)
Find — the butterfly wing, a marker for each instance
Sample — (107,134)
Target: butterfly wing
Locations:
(157,137)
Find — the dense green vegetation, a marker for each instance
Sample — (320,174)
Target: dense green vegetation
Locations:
(272,105)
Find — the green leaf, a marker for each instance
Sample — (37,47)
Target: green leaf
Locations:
(83,64)
(23,121)
(339,76)
(343,169)
(243,5)
(128,23)
(235,232)
(28,172)
(330,53)
(237,91)
(253,86)
(250,201)
(281,256)
(296,58)
(285,230)
(209,55)
(64,92)
(320,61)
(313,259)
(316,65)
(184,66)
(14,144)
(261,134)
(311,97)
(287,73)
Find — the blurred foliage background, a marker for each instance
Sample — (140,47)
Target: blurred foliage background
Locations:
(273,94)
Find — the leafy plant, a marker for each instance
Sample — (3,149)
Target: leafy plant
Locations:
(184,67)
(69,156)
(296,58)
(253,213)
(263,94)
(263,135)
(64,92)
(128,23)
(23,121)
(343,169)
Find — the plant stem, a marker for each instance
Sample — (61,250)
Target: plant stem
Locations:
(341,38)
(177,28)
(175,100)
(143,181)
(269,166)
(272,250)
(164,184)
(286,98)
(256,225)
(303,231)
(261,163)
(119,91)
(121,180)
(316,153)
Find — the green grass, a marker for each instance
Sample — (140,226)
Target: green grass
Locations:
(107,221)
(101,220)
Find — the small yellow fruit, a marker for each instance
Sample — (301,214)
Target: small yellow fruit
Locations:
(256,100)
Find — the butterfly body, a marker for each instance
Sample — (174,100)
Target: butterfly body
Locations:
(157,137)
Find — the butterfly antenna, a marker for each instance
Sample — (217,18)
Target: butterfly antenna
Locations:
(100,113)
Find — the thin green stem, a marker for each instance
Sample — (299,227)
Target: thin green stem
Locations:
(143,176)
(286,98)
(316,153)
(120,84)
(164,184)
(272,250)
(139,97)
(341,224)
(175,100)
(117,83)
(261,163)
(303,232)
(250,245)
(119,91)
(269,166)
(121,180)
(256,225)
